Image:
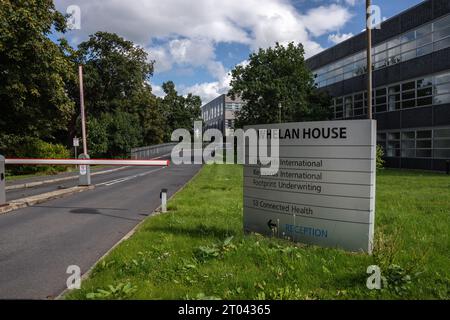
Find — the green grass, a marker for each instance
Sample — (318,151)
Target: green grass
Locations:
(188,253)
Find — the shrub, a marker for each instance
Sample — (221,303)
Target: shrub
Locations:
(380,155)
(26,147)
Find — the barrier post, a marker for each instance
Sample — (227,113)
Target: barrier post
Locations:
(163,196)
(85,172)
(2,181)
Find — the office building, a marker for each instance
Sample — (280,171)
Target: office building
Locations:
(220,113)
(411,84)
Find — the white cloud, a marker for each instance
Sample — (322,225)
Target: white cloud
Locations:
(210,90)
(184,34)
(157,90)
(338,37)
(190,30)
(323,19)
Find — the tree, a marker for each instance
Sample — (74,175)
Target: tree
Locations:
(277,79)
(117,94)
(178,111)
(150,116)
(115,71)
(34,71)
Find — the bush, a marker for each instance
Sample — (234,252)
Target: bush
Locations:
(26,147)
(380,155)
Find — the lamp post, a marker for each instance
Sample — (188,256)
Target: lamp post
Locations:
(369,56)
(83,116)
(279,112)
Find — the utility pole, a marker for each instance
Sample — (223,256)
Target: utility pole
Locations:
(83,116)
(279,112)
(369,56)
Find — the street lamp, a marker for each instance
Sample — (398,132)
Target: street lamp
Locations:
(369,56)
(279,112)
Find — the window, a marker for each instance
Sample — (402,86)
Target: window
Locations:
(380,100)
(408,144)
(423,83)
(407,37)
(442,23)
(358,104)
(442,133)
(441,34)
(409,86)
(445,43)
(416,143)
(349,107)
(381,140)
(412,44)
(339,108)
(442,99)
(424,40)
(423,144)
(442,89)
(424,50)
(394,98)
(393,144)
(423,31)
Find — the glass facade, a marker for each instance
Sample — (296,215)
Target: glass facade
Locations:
(422,92)
(416,143)
(220,113)
(418,42)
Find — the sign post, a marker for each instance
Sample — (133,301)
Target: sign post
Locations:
(324,191)
(76,144)
(85,172)
(2,181)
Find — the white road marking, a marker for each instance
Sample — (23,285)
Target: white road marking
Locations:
(115,181)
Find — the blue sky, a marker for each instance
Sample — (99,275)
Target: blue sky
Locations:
(195,43)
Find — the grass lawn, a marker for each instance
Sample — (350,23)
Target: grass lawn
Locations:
(188,253)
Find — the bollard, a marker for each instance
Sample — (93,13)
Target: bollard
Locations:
(2,181)
(163,197)
(448,166)
(85,172)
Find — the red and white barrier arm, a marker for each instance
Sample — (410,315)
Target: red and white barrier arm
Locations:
(145,163)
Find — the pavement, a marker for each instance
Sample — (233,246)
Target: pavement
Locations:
(38,243)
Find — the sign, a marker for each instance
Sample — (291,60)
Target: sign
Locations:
(324,191)
(76,142)
(83,170)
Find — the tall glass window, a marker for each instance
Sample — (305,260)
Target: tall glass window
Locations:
(418,42)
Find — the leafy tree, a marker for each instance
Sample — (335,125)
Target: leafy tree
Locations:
(117,94)
(178,111)
(277,79)
(114,134)
(98,136)
(34,71)
(115,71)
(124,133)
(151,117)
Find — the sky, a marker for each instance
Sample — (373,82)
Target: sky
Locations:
(195,43)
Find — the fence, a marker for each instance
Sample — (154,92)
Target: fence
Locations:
(152,152)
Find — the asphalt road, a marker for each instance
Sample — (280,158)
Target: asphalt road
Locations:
(38,243)
(27,192)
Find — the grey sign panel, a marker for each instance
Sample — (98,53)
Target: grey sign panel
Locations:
(324,191)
